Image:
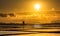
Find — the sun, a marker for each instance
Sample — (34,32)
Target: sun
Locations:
(37,6)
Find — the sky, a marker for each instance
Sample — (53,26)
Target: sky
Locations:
(23,7)
(27,5)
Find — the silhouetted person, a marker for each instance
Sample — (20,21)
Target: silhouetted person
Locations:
(23,25)
(23,22)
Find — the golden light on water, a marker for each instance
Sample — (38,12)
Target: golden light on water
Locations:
(37,6)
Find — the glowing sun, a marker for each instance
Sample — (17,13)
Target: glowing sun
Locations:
(37,6)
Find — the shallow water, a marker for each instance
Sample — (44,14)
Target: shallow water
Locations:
(39,34)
